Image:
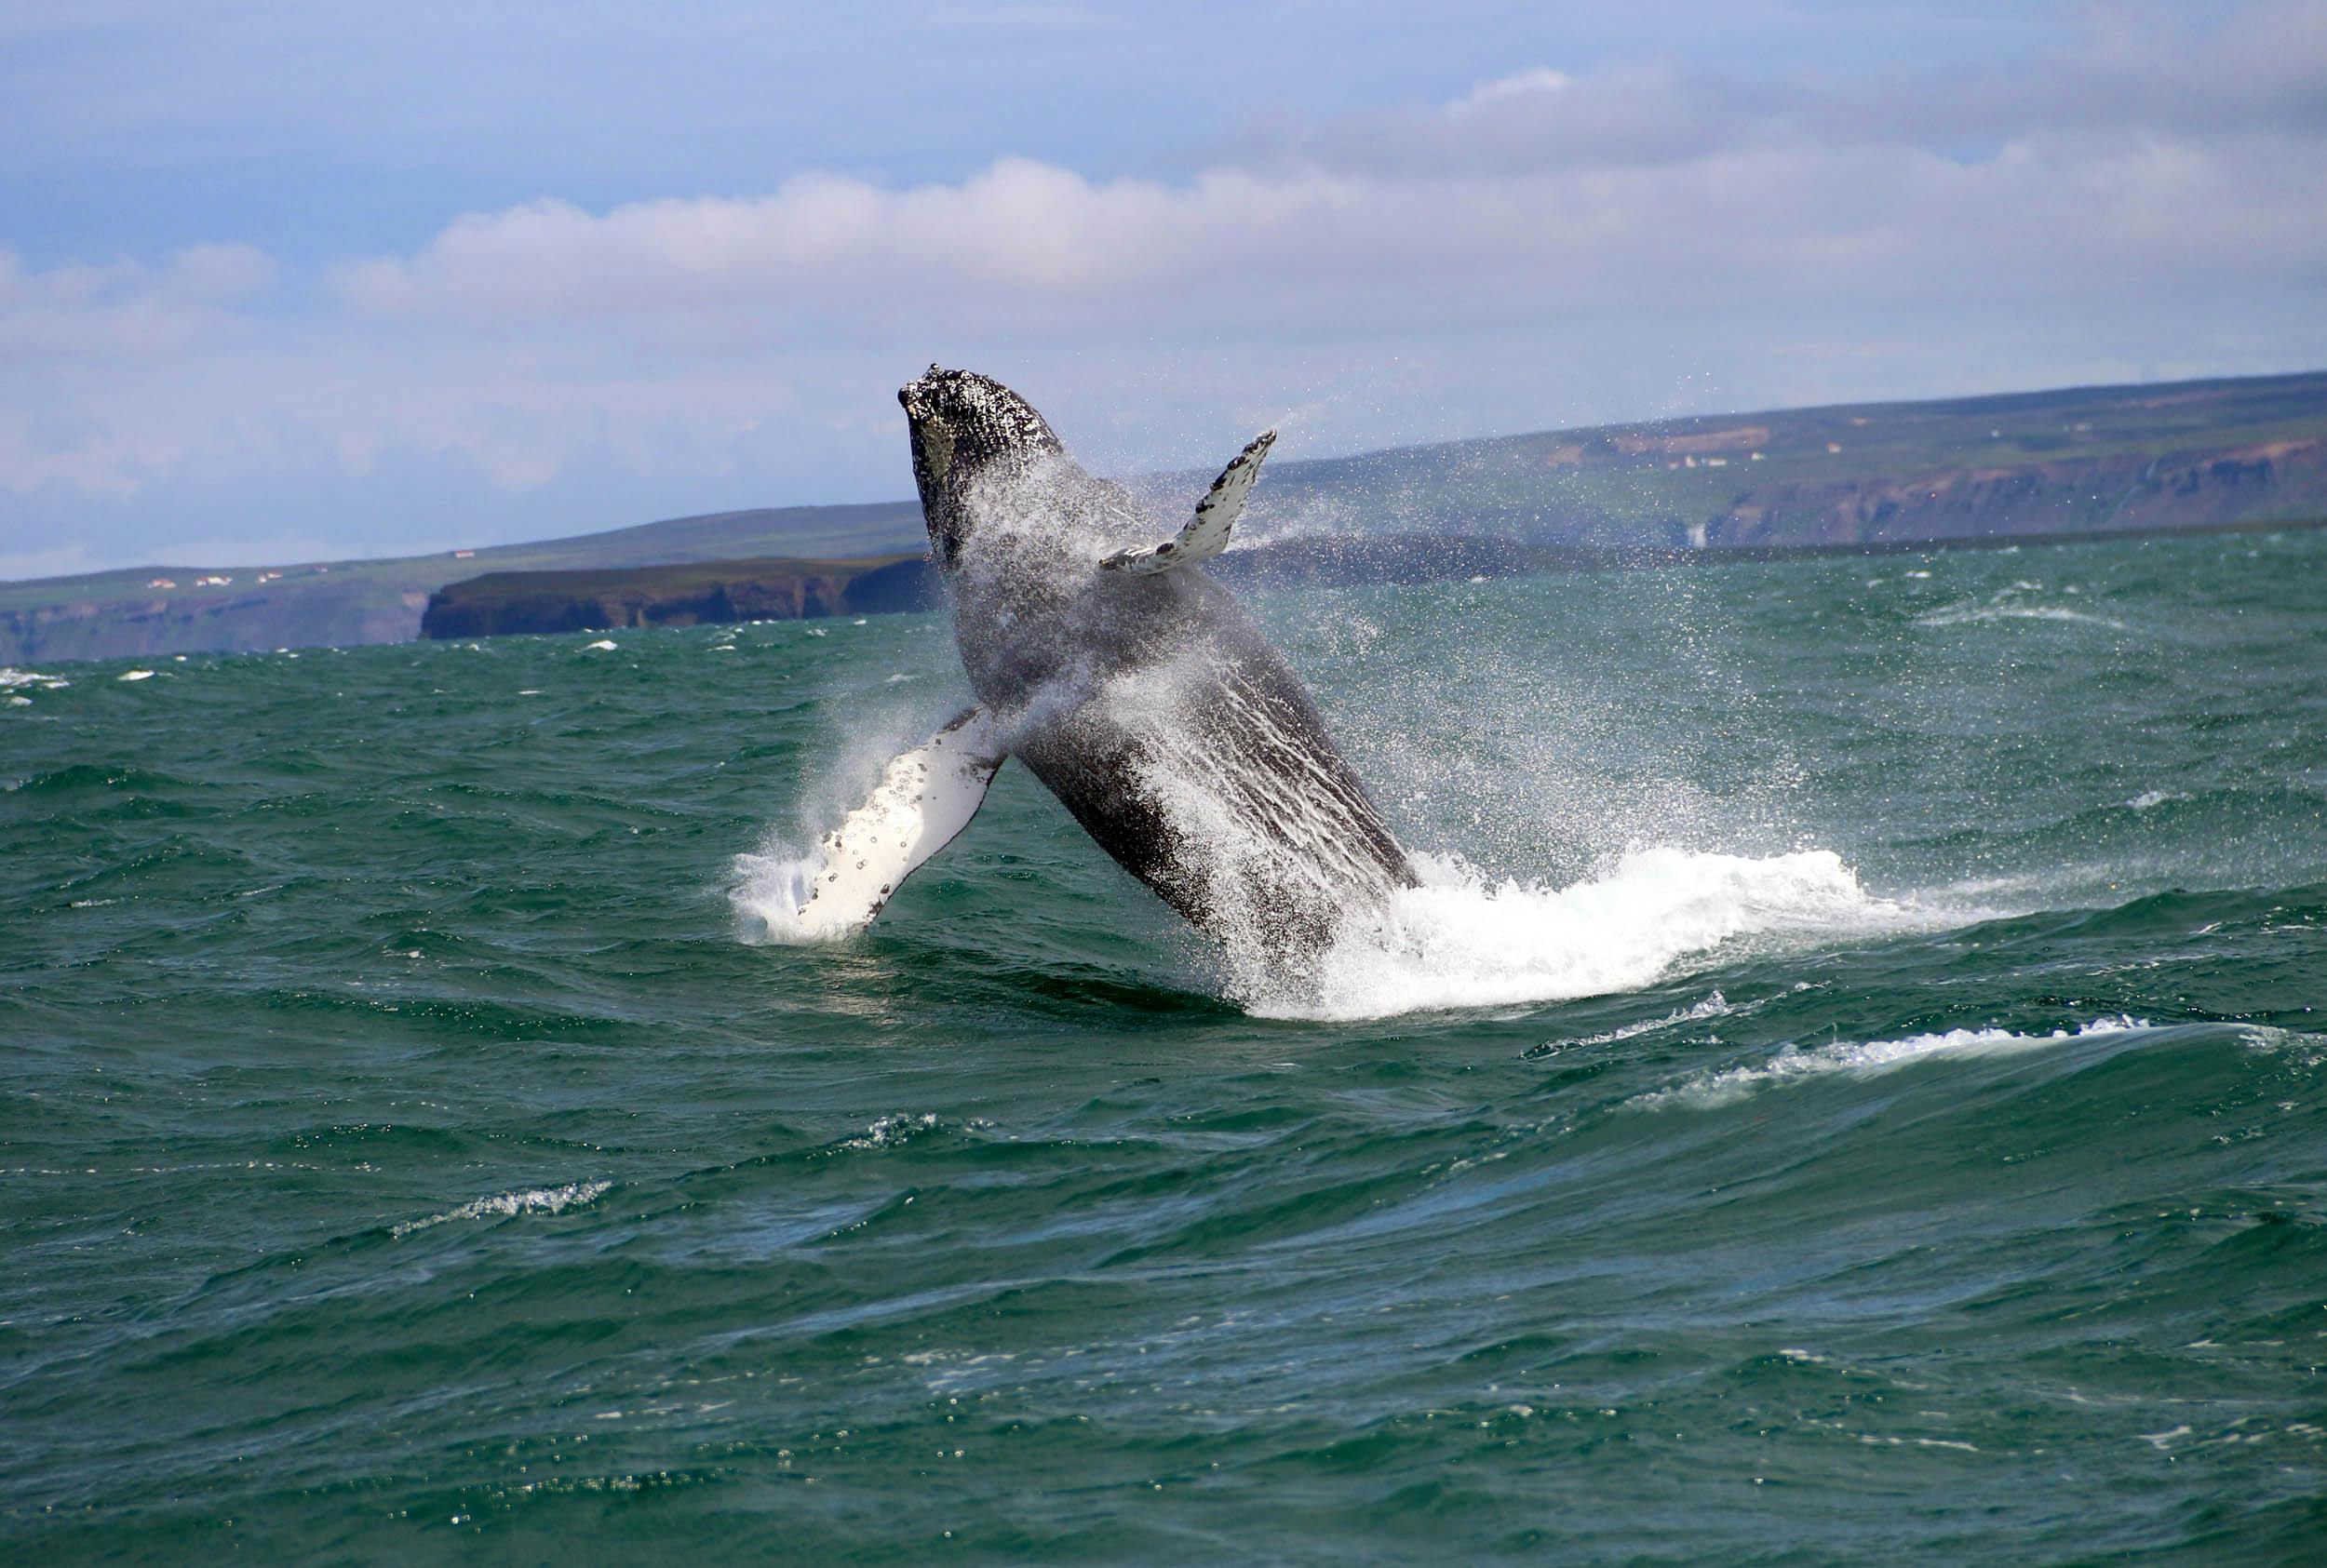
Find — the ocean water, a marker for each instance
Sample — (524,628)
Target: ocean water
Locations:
(1853,1087)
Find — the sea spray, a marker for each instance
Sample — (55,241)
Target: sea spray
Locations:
(1463,941)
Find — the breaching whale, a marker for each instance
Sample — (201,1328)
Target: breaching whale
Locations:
(1131,683)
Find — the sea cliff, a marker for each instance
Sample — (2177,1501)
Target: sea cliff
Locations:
(500,603)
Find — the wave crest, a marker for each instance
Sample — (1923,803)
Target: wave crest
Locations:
(1793,1065)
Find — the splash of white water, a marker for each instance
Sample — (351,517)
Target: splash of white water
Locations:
(1460,941)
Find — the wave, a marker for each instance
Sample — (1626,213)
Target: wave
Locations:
(1460,941)
(1714,1006)
(2004,609)
(890,1132)
(11,677)
(535,1200)
(1793,1065)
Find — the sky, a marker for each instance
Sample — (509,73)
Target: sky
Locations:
(292,279)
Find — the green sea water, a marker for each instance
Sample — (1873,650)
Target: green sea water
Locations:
(1853,1087)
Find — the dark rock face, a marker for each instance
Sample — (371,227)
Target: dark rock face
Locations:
(703,592)
(2121,492)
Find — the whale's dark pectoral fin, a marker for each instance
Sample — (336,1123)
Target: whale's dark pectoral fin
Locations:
(1207,534)
(924,797)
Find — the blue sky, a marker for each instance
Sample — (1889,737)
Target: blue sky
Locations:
(286,280)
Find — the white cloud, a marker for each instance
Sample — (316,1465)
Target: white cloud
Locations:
(2150,156)
(1540,83)
(123,308)
(1029,249)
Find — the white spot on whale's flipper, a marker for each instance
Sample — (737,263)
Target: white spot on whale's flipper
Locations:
(924,797)
(1207,534)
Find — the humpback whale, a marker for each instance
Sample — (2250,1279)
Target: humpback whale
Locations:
(1132,685)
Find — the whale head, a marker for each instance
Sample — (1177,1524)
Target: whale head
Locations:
(967,430)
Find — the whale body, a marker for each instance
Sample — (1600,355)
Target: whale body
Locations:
(1132,684)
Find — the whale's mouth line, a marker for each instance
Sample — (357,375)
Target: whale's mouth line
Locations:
(967,430)
(915,395)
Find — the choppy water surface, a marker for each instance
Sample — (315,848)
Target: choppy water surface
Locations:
(1855,1087)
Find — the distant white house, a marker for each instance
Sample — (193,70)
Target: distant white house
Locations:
(218,580)
(462,554)
(269,576)
(162,582)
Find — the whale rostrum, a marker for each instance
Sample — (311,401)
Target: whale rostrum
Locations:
(1132,684)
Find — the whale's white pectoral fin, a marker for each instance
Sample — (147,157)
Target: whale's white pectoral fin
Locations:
(1207,534)
(924,797)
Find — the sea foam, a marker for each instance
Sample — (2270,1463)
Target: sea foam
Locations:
(505,1205)
(1793,1065)
(2004,606)
(11,677)
(1461,941)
